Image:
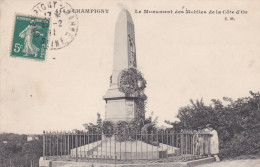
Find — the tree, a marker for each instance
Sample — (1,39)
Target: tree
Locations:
(94,128)
(237,123)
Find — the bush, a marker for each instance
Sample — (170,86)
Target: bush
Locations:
(122,131)
(108,128)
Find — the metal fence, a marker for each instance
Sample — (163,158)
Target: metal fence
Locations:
(163,146)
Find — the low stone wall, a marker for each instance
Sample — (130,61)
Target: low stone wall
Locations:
(49,163)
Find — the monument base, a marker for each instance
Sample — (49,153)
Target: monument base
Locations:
(109,148)
(192,163)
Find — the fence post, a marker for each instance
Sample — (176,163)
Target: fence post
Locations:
(50,135)
(85,145)
(181,143)
(43,151)
(76,144)
(141,144)
(158,153)
(80,137)
(147,145)
(68,143)
(61,142)
(162,143)
(115,148)
(57,144)
(209,138)
(152,142)
(136,144)
(167,142)
(186,144)
(100,138)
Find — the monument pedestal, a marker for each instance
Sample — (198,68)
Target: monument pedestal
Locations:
(119,107)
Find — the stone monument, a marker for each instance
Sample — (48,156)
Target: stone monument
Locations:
(137,149)
(120,106)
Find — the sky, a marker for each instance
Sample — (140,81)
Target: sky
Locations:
(182,57)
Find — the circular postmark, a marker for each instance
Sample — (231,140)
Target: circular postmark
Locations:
(64,22)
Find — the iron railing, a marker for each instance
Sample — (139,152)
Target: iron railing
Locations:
(163,146)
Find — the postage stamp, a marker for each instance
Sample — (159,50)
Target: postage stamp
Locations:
(64,22)
(30,37)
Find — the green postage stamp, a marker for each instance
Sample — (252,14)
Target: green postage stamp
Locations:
(30,37)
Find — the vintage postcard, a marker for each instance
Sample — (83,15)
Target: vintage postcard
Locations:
(129,83)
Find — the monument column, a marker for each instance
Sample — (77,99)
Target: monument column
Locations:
(119,106)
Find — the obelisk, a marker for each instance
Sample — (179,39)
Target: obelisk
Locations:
(119,106)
